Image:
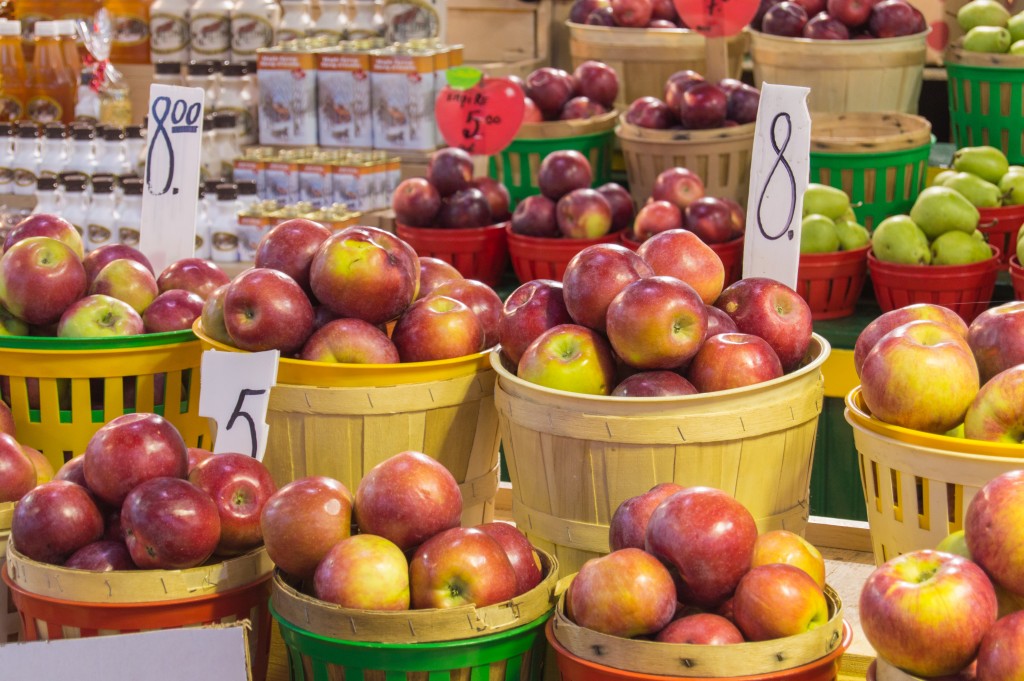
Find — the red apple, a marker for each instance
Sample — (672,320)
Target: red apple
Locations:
(367,273)
(531,112)
(927,611)
(650,112)
(822,26)
(40,277)
(265,309)
(17,474)
(581,9)
(73,470)
(129,450)
(996,337)
(594,276)
(433,273)
(701,629)
(812,7)
(169,524)
(656,217)
(42,465)
(733,360)
(99,316)
(563,171)
(530,310)
(364,572)
(498,198)
(621,203)
(894,19)
(783,546)
(535,216)
(888,321)
(710,219)
(678,186)
(787,19)
(632,13)
(602,16)
(481,299)
(289,247)
(626,593)
(437,327)
(654,384)
(737,217)
(54,520)
(349,341)
(240,487)
(656,323)
(628,526)
(197,455)
(173,310)
(97,259)
(126,280)
(212,317)
(773,311)
(199,276)
(48,225)
(997,412)
(519,551)
(449,170)
(999,657)
(598,82)
(550,89)
(743,104)
(664,10)
(416,203)
(681,254)
(569,357)
(460,566)
(303,520)
(104,555)
(407,499)
(583,214)
(678,83)
(708,537)
(6,419)
(994,536)
(465,209)
(778,600)
(580,108)
(853,13)
(701,106)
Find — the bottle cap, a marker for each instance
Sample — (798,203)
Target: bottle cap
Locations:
(132,186)
(74,182)
(102,184)
(6,129)
(28,130)
(83,133)
(224,120)
(246,188)
(236,70)
(67,27)
(227,192)
(201,68)
(210,186)
(113,134)
(250,67)
(168,68)
(46,183)
(54,131)
(208,123)
(133,132)
(10,28)
(46,29)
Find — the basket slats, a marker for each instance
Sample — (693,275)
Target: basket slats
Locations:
(965,289)
(986,101)
(1000,227)
(831,283)
(479,253)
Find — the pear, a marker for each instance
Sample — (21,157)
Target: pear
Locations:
(1015,169)
(897,239)
(1011,185)
(1016,47)
(938,210)
(976,190)
(1020,249)
(991,39)
(848,216)
(982,13)
(957,248)
(979,235)
(818,235)
(988,163)
(821,199)
(1015,25)
(942,177)
(852,236)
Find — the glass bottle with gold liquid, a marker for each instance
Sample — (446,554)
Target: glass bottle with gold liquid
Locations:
(14,78)
(53,92)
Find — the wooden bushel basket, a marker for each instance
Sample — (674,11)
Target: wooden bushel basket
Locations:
(574,458)
(10,622)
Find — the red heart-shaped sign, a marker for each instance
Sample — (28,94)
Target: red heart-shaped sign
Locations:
(482,119)
(717,18)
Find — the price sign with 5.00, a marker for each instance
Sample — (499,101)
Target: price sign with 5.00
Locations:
(480,115)
(171,187)
(235,393)
(717,18)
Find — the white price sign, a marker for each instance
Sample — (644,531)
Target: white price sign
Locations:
(171,188)
(235,393)
(779,172)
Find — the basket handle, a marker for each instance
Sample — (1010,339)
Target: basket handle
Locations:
(991,223)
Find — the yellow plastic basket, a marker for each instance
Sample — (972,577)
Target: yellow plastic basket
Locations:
(62,390)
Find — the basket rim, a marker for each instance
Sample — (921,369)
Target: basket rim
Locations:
(731,244)
(630,132)
(143,340)
(958,57)
(839,45)
(546,242)
(824,349)
(858,414)
(972,268)
(486,229)
(916,126)
(837,256)
(575,127)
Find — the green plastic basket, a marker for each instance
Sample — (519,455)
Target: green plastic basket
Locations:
(986,101)
(512,655)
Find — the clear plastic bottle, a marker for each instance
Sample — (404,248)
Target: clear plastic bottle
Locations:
(296,22)
(169,31)
(204,74)
(333,20)
(368,20)
(102,214)
(81,153)
(53,91)
(224,226)
(14,76)
(204,230)
(167,73)
(208,197)
(247,195)
(111,153)
(76,202)
(209,161)
(6,158)
(210,29)
(47,198)
(129,215)
(236,98)
(53,150)
(135,142)
(254,25)
(26,159)
(227,142)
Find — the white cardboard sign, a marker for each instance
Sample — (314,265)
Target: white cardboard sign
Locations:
(196,654)
(779,171)
(234,391)
(170,191)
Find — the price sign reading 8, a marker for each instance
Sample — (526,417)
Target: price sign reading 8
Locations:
(184,119)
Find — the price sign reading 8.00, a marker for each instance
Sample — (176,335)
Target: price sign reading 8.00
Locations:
(171,187)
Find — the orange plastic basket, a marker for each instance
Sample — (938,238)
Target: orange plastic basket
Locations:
(1017,278)
(543,258)
(1000,227)
(478,253)
(729,252)
(831,283)
(965,289)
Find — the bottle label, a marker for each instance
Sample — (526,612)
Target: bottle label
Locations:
(225,242)
(129,30)
(286,34)
(43,109)
(23,177)
(211,34)
(411,20)
(98,235)
(168,33)
(249,32)
(10,108)
(6,180)
(128,236)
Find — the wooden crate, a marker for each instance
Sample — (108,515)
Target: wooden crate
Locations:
(499,30)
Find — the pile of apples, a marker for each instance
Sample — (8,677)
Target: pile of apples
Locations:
(678,201)
(688,566)
(139,498)
(692,103)
(989,27)
(653,323)
(557,95)
(449,197)
(922,367)
(942,229)
(21,467)
(326,296)
(352,550)
(838,19)
(626,13)
(50,287)
(828,223)
(567,206)
(956,612)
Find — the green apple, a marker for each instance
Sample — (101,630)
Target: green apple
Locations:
(821,199)
(958,248)
(979,192)
(1012,187)
(982,13)
(898,239)
(99,316)
(1015,25)
(938,210)
(818,235)
(988,163)
(852,236)
(572,358)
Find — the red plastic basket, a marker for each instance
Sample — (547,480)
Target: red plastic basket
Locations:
(574,668)
(831,283)
(1000,226)
(729,252)
(477,253)
(965,289)
(1017,278)
(543,258)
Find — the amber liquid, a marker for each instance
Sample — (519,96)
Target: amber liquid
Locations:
(53,91)
(14,80)
(131,31)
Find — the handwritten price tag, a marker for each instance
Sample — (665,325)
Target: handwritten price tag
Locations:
(235,393)
(482,118)
(779,172)
(171,188)
(717,18)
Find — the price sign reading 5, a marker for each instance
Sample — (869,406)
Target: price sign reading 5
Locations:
(169,117)
(481,118)
(235,393)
